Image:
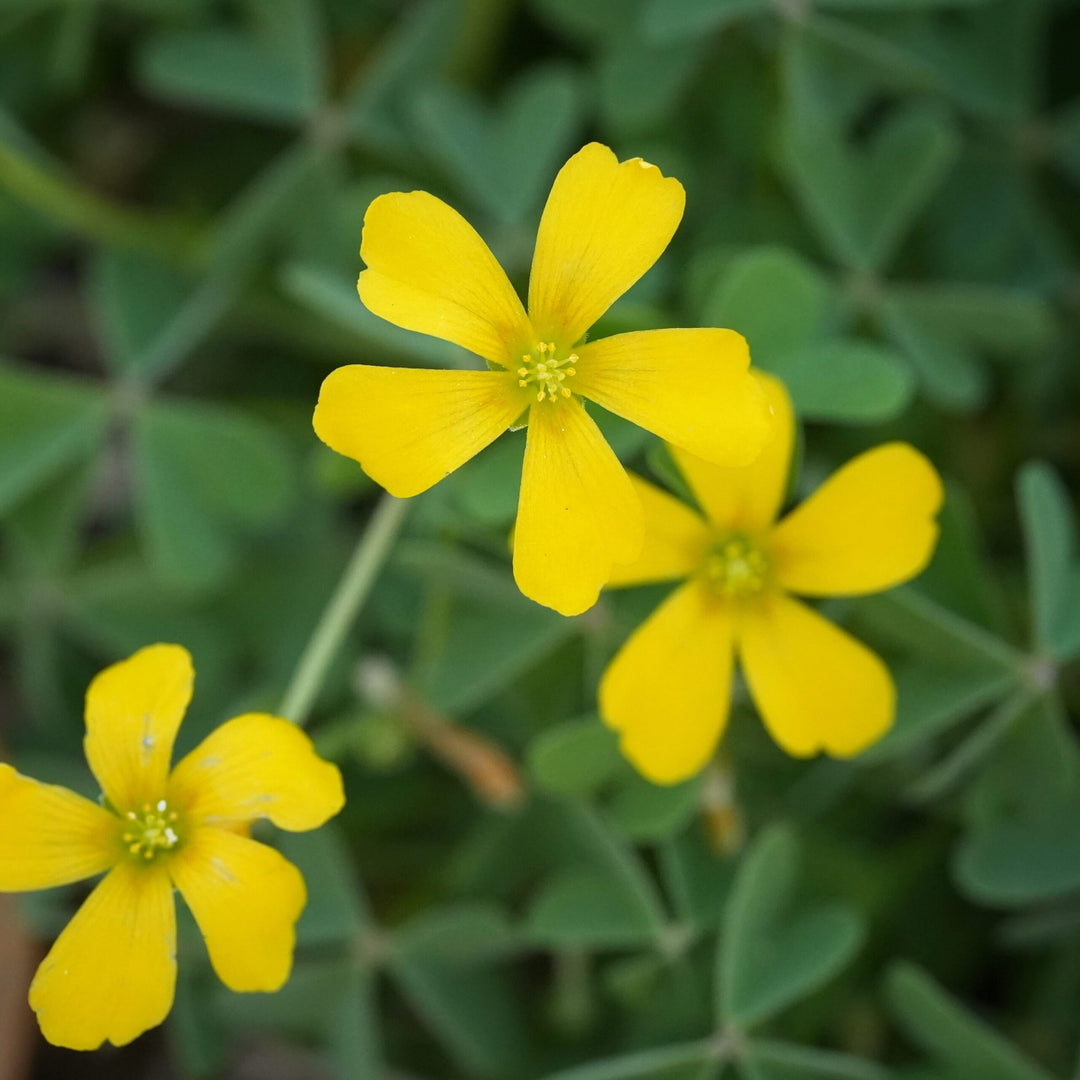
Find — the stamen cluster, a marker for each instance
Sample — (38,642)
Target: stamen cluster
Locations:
(151,830)
(736,566)
(549,374)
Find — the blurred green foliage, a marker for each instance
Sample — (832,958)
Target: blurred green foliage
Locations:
(883,196)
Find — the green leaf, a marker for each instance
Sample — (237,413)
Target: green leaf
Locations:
(696,876)
(195,1041)
(640,81)
(574,758)
(116,605)
(960,575)
(926,628)
(666,20)
(654,1064)
(255,216)
(1006,322)
(1053,571)
(1016,863)
(336,912)
(414,51)
(44,529)
(135,298)
(950,1034)
(771,1060)
(487,487)
(352,1028)
(833,67)
(483,633)
(1066,139)
(772,954)
(152,316)
(829,379)
(293,30)
(465,933)
(745,299)
(332,1002)
(203,472)
(975,748)
(863,202)
(473,1012)
(849,382)
(225,70)
(948,370)
(986,60)
(608,849)
(586,907)
(1033,770)
(647,811)
(896,5)
(46,424)
(583,19)
(932,699)
(505,157)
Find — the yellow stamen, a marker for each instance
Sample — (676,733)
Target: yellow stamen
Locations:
(736,567)
(542,369)
(152,831)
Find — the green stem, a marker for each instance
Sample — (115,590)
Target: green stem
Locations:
(341,611)
(937,780)
(941,620)
(89,214)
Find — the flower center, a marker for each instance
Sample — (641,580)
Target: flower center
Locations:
(736,567)
(152,830)
(541,369)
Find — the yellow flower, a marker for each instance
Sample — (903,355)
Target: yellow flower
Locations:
(869,527)
(111,974)
(606,222)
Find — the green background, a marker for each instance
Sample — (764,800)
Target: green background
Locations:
(883,196)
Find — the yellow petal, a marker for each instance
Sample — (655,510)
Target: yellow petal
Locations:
(410,428)
(604,225)
(112,972)
(816,687)
(429,271)
(133,711)
(246,899)
(257,766)
(675,539)
(51,836)
(748,498)
(693,388)
(578,513)
(869,527)
(668,691)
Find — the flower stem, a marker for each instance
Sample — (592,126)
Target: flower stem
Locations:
(87,213)
(344,605)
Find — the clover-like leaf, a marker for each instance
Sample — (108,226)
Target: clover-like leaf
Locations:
(830,377)
(504,157)
(587,907)
(46,424)
(1021,862)
(203,472)
(950,1034)
(1053,567)
(774,950)
(273,72)
(574,758)
(863,201)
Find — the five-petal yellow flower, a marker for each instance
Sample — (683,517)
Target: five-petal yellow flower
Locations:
(869,527)
(605,223)
(111,974)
